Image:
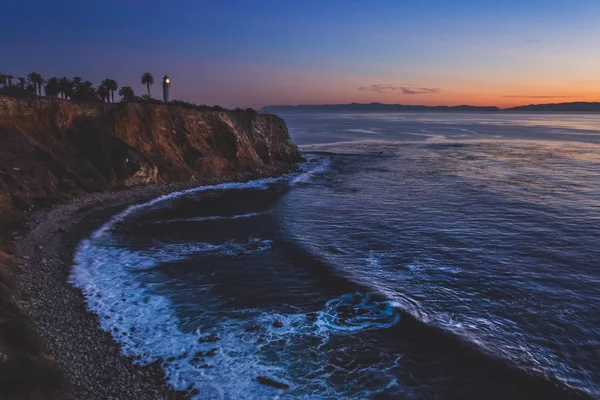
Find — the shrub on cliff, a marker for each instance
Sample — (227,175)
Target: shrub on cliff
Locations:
(187,104)
(145,99)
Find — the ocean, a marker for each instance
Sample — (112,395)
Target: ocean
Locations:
(412,256)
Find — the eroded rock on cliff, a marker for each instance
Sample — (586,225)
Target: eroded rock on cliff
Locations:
(53,149)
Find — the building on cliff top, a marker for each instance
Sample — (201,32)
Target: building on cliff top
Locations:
(166,88)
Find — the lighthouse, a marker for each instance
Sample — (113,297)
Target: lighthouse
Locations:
(166,88)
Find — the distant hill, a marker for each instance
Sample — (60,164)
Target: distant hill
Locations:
(380,107)
(372,107)
(560,107)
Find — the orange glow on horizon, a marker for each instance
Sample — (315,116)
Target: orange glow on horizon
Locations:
(253,85)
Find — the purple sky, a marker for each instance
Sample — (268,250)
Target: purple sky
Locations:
(255,53)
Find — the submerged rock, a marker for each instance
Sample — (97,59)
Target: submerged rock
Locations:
(265,380)
(197,359)
(211,352)
(209,339)
(277,324)
(312,316)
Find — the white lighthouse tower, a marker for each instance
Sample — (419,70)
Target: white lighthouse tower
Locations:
(166,89)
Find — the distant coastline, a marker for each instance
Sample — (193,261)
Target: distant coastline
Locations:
(380,107)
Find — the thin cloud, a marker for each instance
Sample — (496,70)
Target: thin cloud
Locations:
(525,43)
(406,88)
(419,90)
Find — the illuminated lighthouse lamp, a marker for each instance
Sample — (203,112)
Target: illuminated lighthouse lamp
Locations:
(166,89)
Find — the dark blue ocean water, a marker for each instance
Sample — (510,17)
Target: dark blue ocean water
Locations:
(413,256)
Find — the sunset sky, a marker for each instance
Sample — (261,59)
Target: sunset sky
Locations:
(255,53)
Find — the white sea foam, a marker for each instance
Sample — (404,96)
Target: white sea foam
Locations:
(211,218)
(431,268)
(465,130)
(307,174)
(371,131)
(122,286)
(262,183)
(146,325)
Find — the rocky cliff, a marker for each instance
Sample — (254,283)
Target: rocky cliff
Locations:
(54,149)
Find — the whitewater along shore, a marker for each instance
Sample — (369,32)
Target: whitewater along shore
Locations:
(65,169)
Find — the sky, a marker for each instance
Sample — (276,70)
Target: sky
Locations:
(265,52)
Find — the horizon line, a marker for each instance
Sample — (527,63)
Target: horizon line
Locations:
(430,106)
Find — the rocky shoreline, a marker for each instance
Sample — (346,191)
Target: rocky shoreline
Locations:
(43,251)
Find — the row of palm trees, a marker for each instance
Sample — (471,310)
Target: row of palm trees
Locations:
(76,88)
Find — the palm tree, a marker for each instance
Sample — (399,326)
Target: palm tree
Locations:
(86,87)
(127,94)
(10,78)
(65,87)
(106,83)
(112,86)
(36,81)
(89,91)
(103,93)
(21,83)
(31,89)
(147,79)
(52,87)
(76,82)
(3,80)
(85,91)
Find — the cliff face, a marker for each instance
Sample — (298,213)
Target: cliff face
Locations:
(53,149)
